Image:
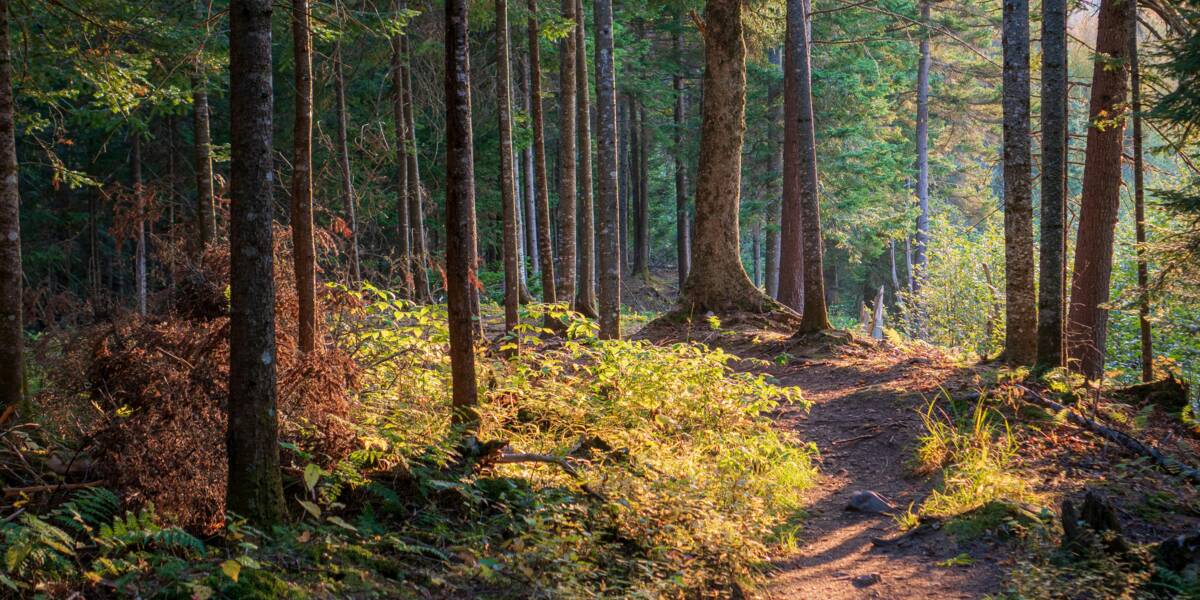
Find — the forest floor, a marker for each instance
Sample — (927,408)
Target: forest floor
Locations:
(867,403)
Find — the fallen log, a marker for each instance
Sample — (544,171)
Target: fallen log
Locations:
(1167,463)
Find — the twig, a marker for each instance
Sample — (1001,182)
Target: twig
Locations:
(1171,465)
(55,487)
(521,457)
(854,439)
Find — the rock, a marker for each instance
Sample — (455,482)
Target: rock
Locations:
(869,502)
(867,580)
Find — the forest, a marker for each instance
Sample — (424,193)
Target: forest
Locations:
(600,299)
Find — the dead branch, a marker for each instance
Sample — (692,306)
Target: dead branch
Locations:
(50,487)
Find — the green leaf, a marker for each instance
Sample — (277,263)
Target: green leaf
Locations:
(312,508)
(341,523)
(231,568)
(312,474)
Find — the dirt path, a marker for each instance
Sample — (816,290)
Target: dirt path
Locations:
(865,422)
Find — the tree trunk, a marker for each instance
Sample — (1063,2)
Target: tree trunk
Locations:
(920,256)
(682,238)
(567,205)
(545,243)
(608,206)
(773,208)
(403,227)
(139,199)
(254,488)
(1139,200)
(634,204)
(1020,335)
(460,203)
(531,214)
(339,85)
(304,251)
(717,281)
(625,183)
(419,247)
(1053,184)
(206,213)
(643,206)
(791,229)
(508,193)
(585,299)
(816,314)
(1088,321)
(12,333)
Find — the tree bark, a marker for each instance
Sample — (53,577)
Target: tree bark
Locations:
(774,206)
(683,258)
(418,246)
(815,316)
(545,243)
(304,252)
(567,199)
(608,207)
(718,281)
(625,184)
(139,200)
(642,218)
(1139,200)
(585,299)
(1088,320)
(1053,185)
(460,203)
(403,227)
(1020,335)
(254,488)
(531,216)
(206,214)
(508,194)
(634,204)
(12,332)
(920,256)
(791,229)
(343,142)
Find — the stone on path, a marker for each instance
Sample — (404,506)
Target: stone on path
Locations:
(869,502)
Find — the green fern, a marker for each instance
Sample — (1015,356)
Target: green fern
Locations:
(87,509)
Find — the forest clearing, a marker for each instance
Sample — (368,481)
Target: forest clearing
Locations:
(591,299)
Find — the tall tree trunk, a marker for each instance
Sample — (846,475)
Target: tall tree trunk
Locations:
(642,218)
(756,254)
(816,314)
(1053,184)
(545,243)
(625,183)
(567,205)
(633,207)
(1139,200)
(608,212)
(139,200)
(682,238)
(343,142)
(254,489)
(531,214)
(508,193)
(920,253)
(12,333)
(791,229)
(1088,321)
(1020,335)
(304,250)
(718,282)
(419,247)
(460,203)
(774,207)
(585,299)
(206,214)
(403,227)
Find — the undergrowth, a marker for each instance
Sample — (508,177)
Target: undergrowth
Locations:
(640,471)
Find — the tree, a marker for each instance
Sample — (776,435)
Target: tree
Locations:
(682,239)
(585,299)
(607,186)
(791,234)
(403,227)
(530,192)
(1088,317)
(1053,185)
(567,204)
(717,281)
(12,333)
(419,248)
(460,202)
(508,199)
(1139,200)
(206,214)
(774,206)
(304,251)
(1020,340)
(254,489)
(920,253)
(343,155)
(815,316)
(139,236)
(545,244)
